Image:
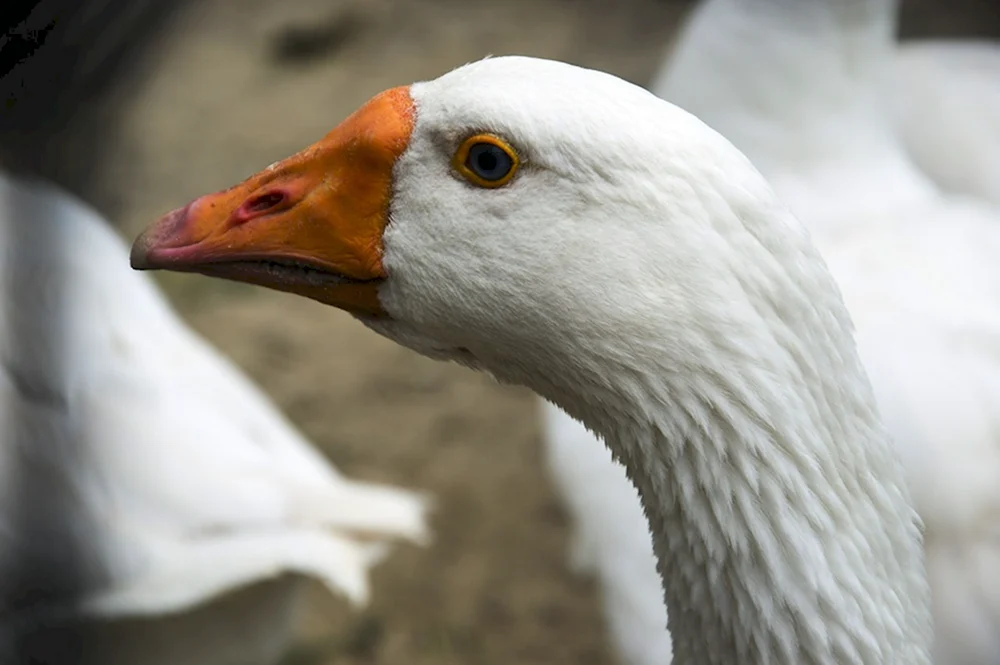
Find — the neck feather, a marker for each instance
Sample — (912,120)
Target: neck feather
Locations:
(783,532)
(781,522)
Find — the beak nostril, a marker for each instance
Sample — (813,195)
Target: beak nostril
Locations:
(259,205)
(265,201)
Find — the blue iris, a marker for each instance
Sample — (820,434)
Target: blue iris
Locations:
(489,162)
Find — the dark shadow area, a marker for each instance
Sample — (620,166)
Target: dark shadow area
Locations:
(949,19)
(303,44)
(56,58)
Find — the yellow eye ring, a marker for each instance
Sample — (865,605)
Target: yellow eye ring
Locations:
(486,161)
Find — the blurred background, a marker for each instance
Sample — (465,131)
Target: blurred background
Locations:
(229,86)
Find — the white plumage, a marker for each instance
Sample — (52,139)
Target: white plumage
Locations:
(945,99)
(942,97)
(797,87)
(131,440)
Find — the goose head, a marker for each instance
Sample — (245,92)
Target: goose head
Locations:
(565,230)
(515,215)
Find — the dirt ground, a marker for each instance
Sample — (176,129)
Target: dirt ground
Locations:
(237,85)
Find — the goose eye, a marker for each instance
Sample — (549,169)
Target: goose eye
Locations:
(486,161)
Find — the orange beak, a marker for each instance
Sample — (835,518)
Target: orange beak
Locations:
(311,224)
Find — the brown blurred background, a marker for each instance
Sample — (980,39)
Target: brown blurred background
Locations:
(233,85)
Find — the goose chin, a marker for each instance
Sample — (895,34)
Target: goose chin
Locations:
(408,336)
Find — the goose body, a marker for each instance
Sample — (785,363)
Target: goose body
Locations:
(916,268)
(643,276)
(923,293)
(944,97)
(135,445)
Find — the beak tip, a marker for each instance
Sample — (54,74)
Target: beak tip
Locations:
(138,258)
(166,232)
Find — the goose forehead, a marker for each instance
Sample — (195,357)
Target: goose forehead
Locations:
(522,73)
(530,96)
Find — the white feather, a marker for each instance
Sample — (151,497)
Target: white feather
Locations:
(945,100)
(795,86)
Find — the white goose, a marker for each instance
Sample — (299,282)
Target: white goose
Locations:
(568,231)
(796,89)
(793,84)
(134,445)
(918,269)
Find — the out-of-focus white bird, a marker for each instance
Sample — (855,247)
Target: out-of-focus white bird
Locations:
(943,96)
(945,99)
(798,86)
(143,467)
